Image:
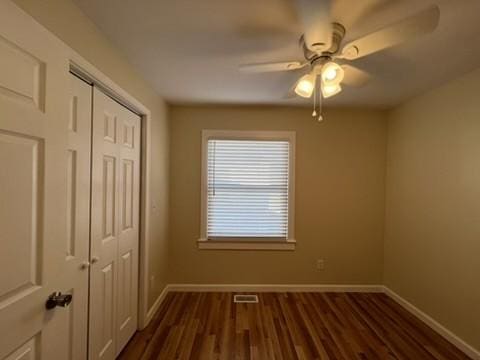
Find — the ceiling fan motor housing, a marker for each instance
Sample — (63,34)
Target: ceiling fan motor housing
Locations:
(338,33)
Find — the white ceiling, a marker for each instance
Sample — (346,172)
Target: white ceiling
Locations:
(189,50)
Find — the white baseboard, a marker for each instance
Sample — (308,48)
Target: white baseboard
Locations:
(439,328)
(156,305)
(436,326)
(274,288)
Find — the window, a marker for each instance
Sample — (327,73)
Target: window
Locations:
(247,190)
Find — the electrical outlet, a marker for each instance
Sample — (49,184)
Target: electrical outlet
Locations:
(320,264)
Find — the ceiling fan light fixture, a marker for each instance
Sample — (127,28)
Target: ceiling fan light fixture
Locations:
(330,90)
(305,86)
(332,73)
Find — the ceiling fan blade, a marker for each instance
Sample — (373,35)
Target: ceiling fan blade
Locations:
(270,67)
(421,23)
(349,13)
(315,18)
(354,76)
(291,92)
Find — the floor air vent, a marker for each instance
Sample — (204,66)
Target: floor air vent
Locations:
(245,299)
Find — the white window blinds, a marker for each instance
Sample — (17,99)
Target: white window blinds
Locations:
(247,189)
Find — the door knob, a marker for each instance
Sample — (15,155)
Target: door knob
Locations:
(94,259)
(58,299)
(84,265)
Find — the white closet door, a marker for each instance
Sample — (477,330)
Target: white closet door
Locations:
(129,212)
(78,207)
(38,254)
(114,227)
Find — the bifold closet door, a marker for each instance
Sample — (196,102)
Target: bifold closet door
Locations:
(79,126)
(114,226)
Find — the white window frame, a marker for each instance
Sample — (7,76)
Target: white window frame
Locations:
(247,243)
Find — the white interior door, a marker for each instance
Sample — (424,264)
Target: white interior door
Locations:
(78,208)
(42,242)
(114,226)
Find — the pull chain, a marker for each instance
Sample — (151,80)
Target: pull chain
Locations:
(320,116)
(314,113)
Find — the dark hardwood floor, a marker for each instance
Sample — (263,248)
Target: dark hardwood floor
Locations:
(287,326)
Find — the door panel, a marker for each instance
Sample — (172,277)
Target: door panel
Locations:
(128,192)
(114,227)
(129,149)
(77,245)
(125,286)
(109,198)
(20,158)
(24,82)
(104,229)
(106,339)
(27,351)
(40,247)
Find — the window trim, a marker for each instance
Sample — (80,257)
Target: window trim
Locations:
(248,243)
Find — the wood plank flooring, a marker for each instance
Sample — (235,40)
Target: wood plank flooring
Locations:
(287,326)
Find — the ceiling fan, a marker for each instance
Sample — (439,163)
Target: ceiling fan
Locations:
(326,58)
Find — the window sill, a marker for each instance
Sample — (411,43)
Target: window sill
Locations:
(204,244)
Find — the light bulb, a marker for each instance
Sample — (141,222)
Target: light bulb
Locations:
(332,73)
(330,90)
(305,86)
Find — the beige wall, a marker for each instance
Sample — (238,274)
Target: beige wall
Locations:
(67,21)
(340,167)
(432,247)
(432,242)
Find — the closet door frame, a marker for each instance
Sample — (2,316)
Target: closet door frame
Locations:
(90,74)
